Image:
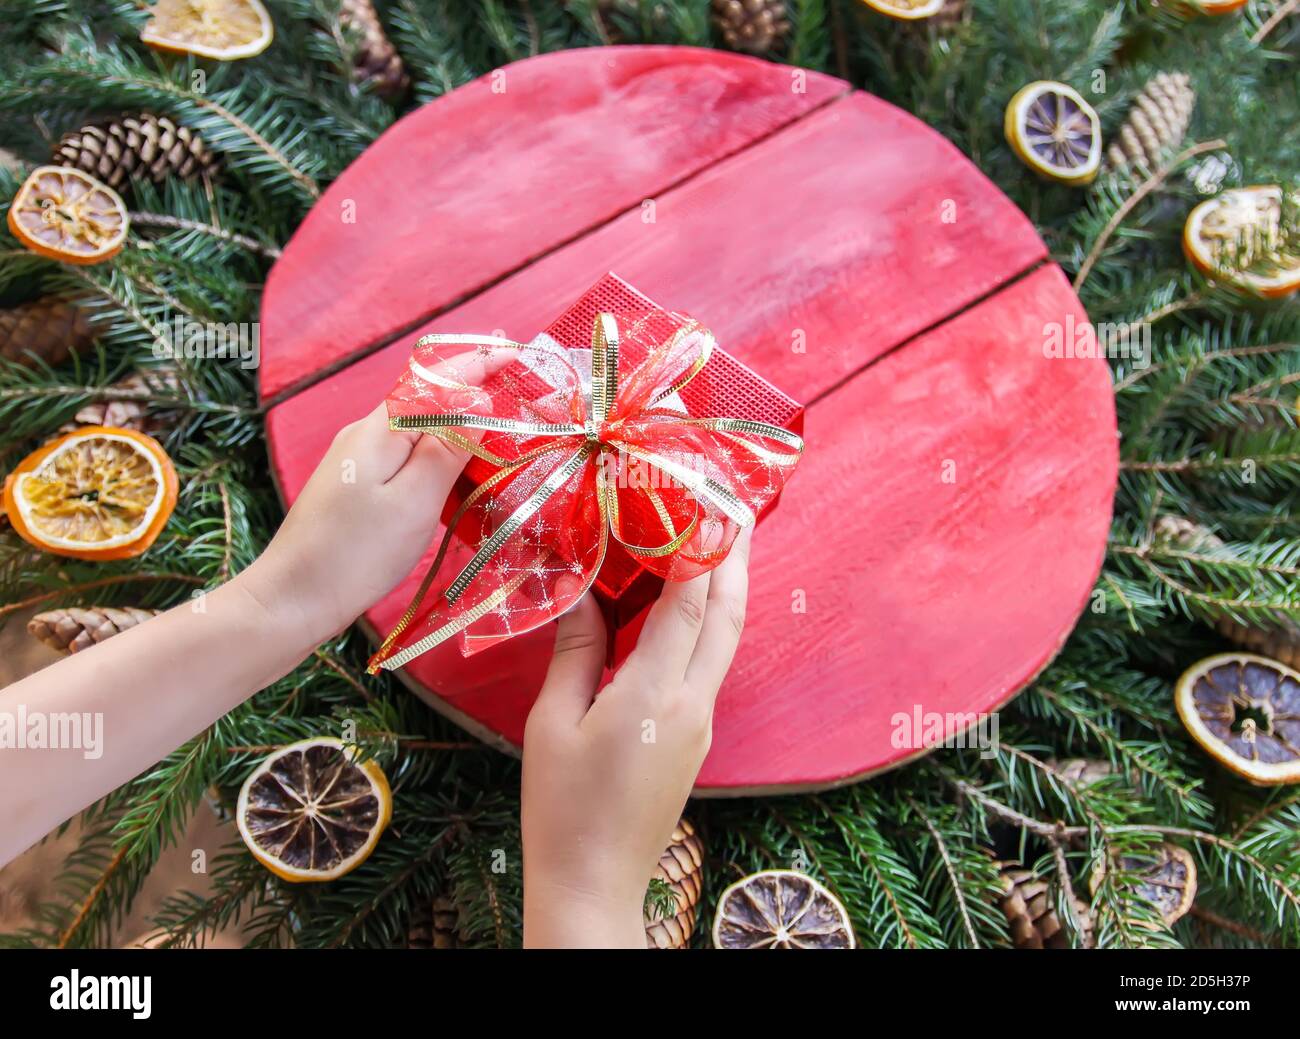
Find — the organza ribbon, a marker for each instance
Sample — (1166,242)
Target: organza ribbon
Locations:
(580,452)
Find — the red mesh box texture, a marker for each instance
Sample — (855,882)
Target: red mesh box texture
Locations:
(724,388)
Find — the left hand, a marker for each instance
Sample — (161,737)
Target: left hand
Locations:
(366,516)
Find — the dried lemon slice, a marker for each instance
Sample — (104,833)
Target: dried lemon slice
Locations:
(1238,229)
(310,812)
(1055,132)
(221,29)
(908,10)
(780,909)
(95,493)
(1245,711)
(68,215)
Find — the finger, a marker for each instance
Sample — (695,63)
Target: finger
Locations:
(724,619)
(668,639)
(375,450)
(430,469)
(578,661)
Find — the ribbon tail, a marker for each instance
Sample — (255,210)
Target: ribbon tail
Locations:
(381,658)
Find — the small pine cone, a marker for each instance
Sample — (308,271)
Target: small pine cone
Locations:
(948,17)
(1184,534)
(1081,771)
(1156,123)
(753,26)
(376,59)
(51,328)
(1279,640)
(144,145)
(76,628)
(130,414)
(1030,909)
(438,927)
(682,867)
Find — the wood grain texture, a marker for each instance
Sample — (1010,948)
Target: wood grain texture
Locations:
(820,255)
(496,173)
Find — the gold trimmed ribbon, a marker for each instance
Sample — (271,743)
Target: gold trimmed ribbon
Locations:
(581,444)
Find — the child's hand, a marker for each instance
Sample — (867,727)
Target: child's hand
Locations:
(360,525)
(604,782)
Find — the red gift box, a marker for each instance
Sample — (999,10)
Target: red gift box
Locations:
(725,386)
(674,391)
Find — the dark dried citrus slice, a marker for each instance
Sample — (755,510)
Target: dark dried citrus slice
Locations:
(311,812)
(781,909)
(1055,132)
(1245,710)
(1164,879)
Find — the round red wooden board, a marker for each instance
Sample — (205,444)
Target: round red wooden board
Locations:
(948,521)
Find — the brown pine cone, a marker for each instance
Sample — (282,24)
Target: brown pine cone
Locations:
(436,928)
(131,414)
(1279,639)
(376,59)
(1081,771)
(1156,123)
(753,26)
(51,328)
(681,867)
(76,628)
(1030,908)
(949,16)
(142,145)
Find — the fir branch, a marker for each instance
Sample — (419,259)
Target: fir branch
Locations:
(181,224)
(1150,184)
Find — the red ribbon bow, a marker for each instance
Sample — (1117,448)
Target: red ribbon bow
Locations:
(582,451)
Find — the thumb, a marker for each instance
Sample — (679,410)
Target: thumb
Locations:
(578,661)
(430,470)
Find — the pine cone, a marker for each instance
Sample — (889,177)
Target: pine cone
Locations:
(1030,909)
(682,867)
(1279,640)
(754,26)
(438,927)
(1081,771)
(949,16)
(142,145)
(51,328)
(376,59)
(130,414)
(1156,123)
(73,629)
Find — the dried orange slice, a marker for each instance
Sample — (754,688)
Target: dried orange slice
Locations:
(1216,7)
(1245,711)
(1238,229)
(1163,878)
(1055,132)
(908,10)
(223,29)
(95,493)
(781,909)
(68,215)
(311,812)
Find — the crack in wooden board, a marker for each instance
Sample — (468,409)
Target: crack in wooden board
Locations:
(524,160)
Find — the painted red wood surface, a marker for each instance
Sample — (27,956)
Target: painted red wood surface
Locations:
(859,262)
(489,177)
